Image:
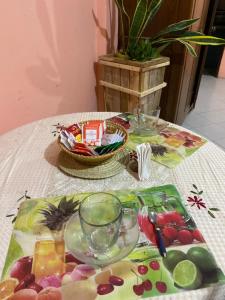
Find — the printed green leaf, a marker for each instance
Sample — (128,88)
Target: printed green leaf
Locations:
(194,186)
(200,192)
(211,214)
(14,253)
(214,209)
(14,219)
(194,192)
(140,254)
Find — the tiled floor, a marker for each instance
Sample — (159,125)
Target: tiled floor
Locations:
(208,116)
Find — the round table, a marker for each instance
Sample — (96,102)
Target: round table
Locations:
(29,163)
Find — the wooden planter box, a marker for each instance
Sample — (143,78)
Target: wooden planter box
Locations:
(128,84)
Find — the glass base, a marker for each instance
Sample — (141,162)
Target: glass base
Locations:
(145,125)
(76,242)
(145,131)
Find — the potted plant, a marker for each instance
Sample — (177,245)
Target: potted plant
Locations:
(133,77)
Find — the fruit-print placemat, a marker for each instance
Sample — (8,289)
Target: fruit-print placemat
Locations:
(170,147)
(36,267)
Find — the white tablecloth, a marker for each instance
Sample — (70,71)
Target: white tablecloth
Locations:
(28,157)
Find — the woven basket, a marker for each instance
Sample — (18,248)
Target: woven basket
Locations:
(96,160)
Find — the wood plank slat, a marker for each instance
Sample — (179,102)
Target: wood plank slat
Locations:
(156,66)
(120,66)
(142,64)
(132,92)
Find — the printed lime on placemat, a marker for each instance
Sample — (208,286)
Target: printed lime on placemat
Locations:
(187,276)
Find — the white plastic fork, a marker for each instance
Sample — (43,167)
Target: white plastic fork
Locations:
(118,136)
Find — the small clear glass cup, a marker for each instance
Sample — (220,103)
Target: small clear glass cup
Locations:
(100,219)
(146,123)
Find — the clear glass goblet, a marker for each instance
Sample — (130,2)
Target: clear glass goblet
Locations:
(146,123)
(100,219)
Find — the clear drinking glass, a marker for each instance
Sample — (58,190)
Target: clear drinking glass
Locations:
(100,218)
(146,123)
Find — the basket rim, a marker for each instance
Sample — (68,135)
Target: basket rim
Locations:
(97,157)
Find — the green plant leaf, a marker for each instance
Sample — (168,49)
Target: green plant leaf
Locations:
(191,33)
(195,39)
(194,186)
(161,48)
(120,11)
(155,53)
(214,209)
(193,53)
(120,4)
(125,13)
(204,40)
(138,20)
(211,214)
(163,41)
(142,50)
(152,11)
(176,27)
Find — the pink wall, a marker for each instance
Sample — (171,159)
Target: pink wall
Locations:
(48,50)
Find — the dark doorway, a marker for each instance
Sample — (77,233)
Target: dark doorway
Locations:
(214,54)
(210,57)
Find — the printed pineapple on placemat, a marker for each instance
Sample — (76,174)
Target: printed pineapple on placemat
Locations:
(49,252)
